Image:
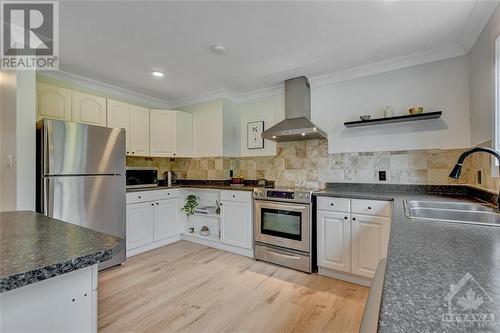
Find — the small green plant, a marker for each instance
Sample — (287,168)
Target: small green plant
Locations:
(190,205)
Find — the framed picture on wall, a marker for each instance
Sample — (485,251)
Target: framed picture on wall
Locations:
(254,135)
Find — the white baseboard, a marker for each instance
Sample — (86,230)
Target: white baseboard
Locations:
(361,280)
(218,245)
(153,245)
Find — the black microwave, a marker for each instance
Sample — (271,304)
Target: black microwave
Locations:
(142,177)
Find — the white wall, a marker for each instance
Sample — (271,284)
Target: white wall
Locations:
(26,140)
(17,139)
(269,109)
(8,189)
(441,85)
(482,82)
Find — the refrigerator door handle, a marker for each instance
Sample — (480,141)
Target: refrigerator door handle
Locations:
(48,198)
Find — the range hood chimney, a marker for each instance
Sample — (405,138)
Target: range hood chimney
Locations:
(297,124)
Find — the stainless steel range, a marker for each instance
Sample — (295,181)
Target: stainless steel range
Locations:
(284,227)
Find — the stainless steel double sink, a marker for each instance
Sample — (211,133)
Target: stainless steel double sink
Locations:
(448,211)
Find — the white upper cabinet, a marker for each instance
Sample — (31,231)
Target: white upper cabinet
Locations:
(163,133)
(118,114)
(184,134)
(139,131)
(88,109)
(53,102)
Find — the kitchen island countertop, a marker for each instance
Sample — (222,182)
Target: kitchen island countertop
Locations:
(35,247)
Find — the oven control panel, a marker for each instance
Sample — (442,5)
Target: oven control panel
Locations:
(282,195)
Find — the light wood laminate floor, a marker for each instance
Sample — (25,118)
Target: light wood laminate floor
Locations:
(186,287)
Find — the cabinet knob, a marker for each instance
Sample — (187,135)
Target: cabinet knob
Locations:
(128,152)
(234,196)
(174,154)
(345,217)
(354,219)
(152,204)
(168,193)
(331,204)
(133,152)
(157,203)
(140,197)
(369,207)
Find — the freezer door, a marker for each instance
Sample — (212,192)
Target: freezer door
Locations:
(73,149)
(95,202)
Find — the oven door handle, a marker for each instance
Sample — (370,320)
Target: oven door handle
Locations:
(282,254)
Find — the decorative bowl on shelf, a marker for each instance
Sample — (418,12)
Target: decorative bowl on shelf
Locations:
(365,117)
(204,231)
(416,110)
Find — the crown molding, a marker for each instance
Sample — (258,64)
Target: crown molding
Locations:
(446,52)
(480,15)
(106,89)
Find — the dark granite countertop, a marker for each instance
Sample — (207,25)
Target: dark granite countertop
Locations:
(211,187)
(426,258)
(35,247)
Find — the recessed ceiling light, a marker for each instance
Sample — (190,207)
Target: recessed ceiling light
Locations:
(219,49)
(157,74)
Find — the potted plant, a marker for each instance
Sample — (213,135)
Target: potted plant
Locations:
(190,205)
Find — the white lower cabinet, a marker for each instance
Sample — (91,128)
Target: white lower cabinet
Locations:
(369,240)
(334,240)
(165,219)
(140,221)
(64,303)
(152,220)
(236,224)
(350,245)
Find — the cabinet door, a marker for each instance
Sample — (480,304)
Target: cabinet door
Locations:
(184,134)
(53,102)
(236,224)
(139,131)
(166,219)
(163,132)
(118,116)
(334,240)
(88,109)
(140,221)
(369,241)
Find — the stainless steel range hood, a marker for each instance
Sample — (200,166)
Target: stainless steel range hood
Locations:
(297,124)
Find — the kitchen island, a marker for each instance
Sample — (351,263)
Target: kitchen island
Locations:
(48,273)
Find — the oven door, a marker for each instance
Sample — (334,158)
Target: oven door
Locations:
(283,224)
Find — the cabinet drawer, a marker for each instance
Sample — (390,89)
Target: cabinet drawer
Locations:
(239,196)
(166,194)
(371,207)
(136,197)
(334,204)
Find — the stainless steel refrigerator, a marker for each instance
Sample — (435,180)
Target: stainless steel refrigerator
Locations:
(81,177)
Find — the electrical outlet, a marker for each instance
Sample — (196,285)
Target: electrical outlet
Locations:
(382,176)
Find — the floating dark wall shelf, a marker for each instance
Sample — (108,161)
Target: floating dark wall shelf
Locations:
(397,119)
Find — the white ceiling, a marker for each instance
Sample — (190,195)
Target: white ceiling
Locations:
(120,43)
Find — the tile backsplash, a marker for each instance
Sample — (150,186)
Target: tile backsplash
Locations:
(308,163)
